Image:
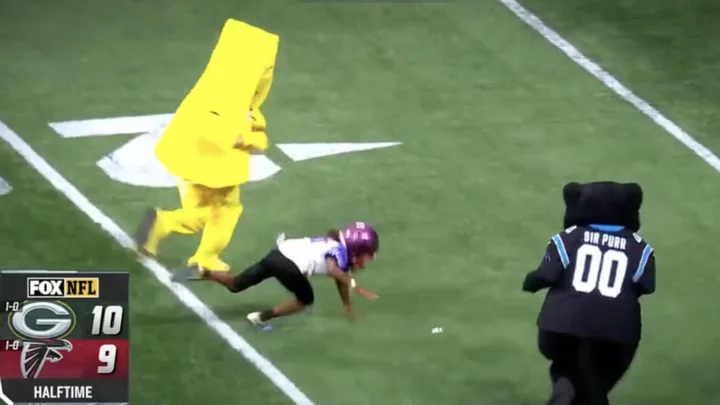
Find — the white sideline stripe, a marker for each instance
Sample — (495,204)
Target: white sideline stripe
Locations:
(111,126)
(4,397)
(185,296)
(612,83)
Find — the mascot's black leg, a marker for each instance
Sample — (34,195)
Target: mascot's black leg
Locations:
(561,350)
(563,392)
(590,366)
(616,360)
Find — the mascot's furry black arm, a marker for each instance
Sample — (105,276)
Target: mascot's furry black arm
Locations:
(547,274)
(550,269)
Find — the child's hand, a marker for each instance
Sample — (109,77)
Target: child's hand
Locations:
(369,295)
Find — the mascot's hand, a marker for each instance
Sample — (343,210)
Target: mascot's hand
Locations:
(240,144)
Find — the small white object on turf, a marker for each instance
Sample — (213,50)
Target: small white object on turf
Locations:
(254,318)
(437,330)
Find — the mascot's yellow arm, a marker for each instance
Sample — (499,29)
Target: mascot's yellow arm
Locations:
(258,138)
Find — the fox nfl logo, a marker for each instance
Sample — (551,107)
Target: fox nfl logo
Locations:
(63,287)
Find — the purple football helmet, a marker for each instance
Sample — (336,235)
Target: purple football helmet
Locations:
(360,238)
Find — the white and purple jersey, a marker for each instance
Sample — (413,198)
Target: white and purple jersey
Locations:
(309,254)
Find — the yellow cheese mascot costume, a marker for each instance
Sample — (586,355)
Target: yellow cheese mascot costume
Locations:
(209,141)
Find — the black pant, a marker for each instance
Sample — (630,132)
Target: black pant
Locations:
(593,366)
(276,265)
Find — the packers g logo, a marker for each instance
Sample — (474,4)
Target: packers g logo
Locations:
(42,325)
(44,320)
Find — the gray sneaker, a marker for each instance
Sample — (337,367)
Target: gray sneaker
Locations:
(190,273)
(142,234)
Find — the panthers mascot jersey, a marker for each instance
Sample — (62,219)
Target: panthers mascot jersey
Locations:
(595,274)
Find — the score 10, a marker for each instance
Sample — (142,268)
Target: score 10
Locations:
(49,324)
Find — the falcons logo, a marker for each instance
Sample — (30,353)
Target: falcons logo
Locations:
(35,354)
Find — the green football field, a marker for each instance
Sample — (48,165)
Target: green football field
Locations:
(491,120)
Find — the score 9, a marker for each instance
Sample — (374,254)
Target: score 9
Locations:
(107,355)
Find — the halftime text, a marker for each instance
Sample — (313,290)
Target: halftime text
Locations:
(65,392)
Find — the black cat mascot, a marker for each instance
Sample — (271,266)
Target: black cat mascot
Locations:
(595,272)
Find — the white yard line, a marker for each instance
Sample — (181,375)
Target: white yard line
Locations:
(186,296)
(612,83)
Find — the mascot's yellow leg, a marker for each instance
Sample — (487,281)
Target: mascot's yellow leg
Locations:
(196,206)
(225,212)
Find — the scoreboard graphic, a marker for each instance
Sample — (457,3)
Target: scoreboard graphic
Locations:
(64,337)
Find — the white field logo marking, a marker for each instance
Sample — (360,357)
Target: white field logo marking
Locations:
(5,187)
(135,163)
